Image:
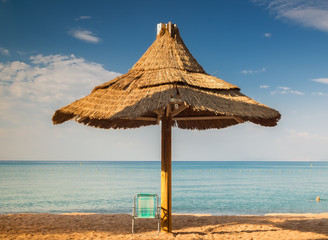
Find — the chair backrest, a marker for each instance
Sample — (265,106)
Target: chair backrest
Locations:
(146,205)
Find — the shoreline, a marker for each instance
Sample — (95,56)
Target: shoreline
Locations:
(175,214)
(184,226)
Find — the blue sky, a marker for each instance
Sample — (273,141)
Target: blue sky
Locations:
(54,52)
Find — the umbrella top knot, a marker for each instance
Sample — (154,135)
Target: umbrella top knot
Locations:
(168,52)
(172,29)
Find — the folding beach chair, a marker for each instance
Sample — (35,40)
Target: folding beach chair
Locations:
(145,205)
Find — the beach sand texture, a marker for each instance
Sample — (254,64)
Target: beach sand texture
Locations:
(118,226)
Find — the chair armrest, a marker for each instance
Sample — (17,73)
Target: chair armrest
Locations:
(133,211)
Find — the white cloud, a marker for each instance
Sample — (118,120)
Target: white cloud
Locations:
(253,71)
(310,17)
(85,35)
(264,86)
(267,35)
(320,94)
(313,14)
(321,80)
(48,81)
(4,51)
(286,90)
(304,135)
(83,18)
(296,92)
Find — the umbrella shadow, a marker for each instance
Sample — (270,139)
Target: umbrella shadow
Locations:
(246,224)
(319,226)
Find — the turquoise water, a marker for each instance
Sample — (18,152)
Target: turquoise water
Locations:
(218,188)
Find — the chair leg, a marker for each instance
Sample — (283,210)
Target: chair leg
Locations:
(133,225)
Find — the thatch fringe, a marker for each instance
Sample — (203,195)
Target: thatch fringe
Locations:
(106,104)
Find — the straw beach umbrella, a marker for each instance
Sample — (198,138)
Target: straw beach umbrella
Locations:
(166,85)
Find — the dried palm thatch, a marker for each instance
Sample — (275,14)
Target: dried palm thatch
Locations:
(168,80)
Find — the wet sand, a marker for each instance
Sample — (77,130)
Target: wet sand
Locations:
(118,226)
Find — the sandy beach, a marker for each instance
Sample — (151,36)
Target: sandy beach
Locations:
(118,226)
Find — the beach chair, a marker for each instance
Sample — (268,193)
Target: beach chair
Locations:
(145,205)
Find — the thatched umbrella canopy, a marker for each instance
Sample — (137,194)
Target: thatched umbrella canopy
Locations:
(167,84)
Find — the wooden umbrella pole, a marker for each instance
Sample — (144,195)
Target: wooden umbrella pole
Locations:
(166,175)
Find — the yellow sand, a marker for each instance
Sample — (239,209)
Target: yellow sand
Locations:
(118,226)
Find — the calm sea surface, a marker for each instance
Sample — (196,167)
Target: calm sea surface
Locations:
(218,188)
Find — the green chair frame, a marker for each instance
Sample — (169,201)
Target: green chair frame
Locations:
(145,205)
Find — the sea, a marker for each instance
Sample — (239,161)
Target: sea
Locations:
(198,187)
